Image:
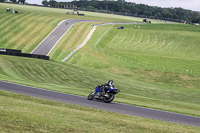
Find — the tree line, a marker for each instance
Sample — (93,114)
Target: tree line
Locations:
(124,8)
(128,8)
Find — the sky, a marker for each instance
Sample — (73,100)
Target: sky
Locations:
(186,4)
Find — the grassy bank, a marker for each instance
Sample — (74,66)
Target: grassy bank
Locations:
(78,80)
(31,25)
(20,113)
(159,47)
(148,64)
(164,55)
(141,84)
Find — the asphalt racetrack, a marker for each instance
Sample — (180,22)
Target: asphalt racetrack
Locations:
(113,107)
(45,47)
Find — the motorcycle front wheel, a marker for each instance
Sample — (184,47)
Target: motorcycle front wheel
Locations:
(109,98)
(91,96)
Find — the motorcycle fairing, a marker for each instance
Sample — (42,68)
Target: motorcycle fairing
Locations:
(97,89)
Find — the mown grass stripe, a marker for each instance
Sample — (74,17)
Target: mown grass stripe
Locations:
(4,18)
(33,71)
(136,42)
(144,43)
(39,35)
(11,22)
(41,32)
(15,72)
(6,21)
(26,28)
(27,42)
(161,44)
(41,70)
(15,28)
(153,43)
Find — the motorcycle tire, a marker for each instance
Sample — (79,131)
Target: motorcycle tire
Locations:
(109,99)
(91,96)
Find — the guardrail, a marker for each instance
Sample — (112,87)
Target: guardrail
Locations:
(15,52)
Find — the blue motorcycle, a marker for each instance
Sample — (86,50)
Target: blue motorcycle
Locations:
(107,96)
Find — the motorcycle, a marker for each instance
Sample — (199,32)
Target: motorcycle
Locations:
(107,97)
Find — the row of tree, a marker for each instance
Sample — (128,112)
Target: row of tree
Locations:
(124,8)
(128,8)
(14,1)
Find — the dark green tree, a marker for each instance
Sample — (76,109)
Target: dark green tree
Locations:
(52,3)
(141,10)
(13,1)
(22,1)
(45,3)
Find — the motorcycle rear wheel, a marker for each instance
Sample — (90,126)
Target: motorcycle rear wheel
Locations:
(109,99)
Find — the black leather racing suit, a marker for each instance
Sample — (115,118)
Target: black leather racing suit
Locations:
(107,86)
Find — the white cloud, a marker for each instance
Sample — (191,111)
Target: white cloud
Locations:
(186,4)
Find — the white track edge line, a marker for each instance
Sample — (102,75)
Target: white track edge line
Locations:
(60,39)
(89,35)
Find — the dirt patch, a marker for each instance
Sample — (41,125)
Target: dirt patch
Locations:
(184,77)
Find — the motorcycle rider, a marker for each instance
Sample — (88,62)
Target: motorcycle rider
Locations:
(107,86)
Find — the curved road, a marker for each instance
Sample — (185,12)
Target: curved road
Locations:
(114,107)
(45,47)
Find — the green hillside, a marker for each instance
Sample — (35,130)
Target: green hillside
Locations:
(137,72)
(155,66)
(31,25)
(159,47)
(26,29)
(79,80)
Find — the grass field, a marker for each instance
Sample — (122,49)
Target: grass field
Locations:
(148,64)
(168,48)
(142,82)
(26,114)
(162,54)
(28,28)
(79,80)
(166,56)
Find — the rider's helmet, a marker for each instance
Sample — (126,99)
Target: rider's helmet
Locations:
(110,82)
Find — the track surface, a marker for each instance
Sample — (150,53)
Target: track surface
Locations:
(45,47)
(114,107)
